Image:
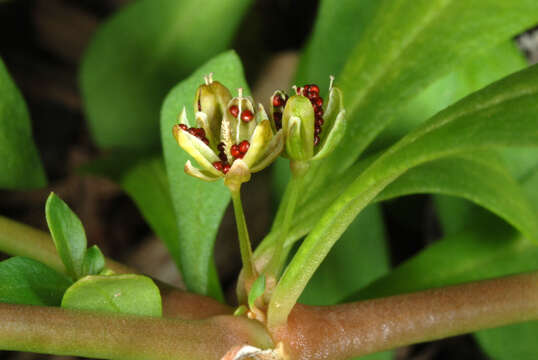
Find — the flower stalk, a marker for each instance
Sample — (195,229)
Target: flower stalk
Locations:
(244,239)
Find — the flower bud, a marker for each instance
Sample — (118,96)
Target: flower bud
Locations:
(312,131)
(298,119)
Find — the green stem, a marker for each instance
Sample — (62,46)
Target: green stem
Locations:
(22,240)
(279,256)
(112,336)
(244,239)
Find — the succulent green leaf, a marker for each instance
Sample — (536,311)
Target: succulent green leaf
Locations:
(480,177)
(125,294)
(68,235)
(257,290)
(20,166)
(139,54)
(198,205)
(26,281)
(94,261)
(499,115)
(335,17)
(476,72)
(401,55)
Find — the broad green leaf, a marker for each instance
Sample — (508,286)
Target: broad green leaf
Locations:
(401,55)
(359,257)
(198,205)
(257,290)
(20,167)
(26,281)
(68,235)
(475,73)
(94,261)
(499,115)
(335,17)
(126,294)
(139,54)
(478,177)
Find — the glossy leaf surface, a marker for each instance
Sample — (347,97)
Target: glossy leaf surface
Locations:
(400,55)
(126,294)
(29,282)
(68,235)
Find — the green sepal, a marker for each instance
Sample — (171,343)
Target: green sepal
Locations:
(298,122)
(333,138)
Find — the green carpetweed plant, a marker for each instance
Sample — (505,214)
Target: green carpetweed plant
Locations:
(391,98)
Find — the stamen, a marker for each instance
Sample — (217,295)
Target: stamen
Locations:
(331,82)
(210,77)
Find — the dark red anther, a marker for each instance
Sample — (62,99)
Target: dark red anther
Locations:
(318,102)
(277,117)
(226,168)
(247,116)
(317,130)
(220,147)
(234,110)
(205,140)
(299,90)
(234,150)
(278,101)
(312,96)
(223,157)
(319,121)
(318,110)
(218,165)
(244,146)
(183,127)
(200,132)
(313,88)
(316,140)
(192,131)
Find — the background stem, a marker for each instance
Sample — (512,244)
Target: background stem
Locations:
(345,331)
(244,239)
(97,335)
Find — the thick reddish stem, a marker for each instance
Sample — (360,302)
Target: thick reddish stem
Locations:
(67,332)
(345,331)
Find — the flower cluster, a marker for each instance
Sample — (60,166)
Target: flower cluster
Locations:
(233,138)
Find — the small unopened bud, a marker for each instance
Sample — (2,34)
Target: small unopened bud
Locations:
(298,119)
